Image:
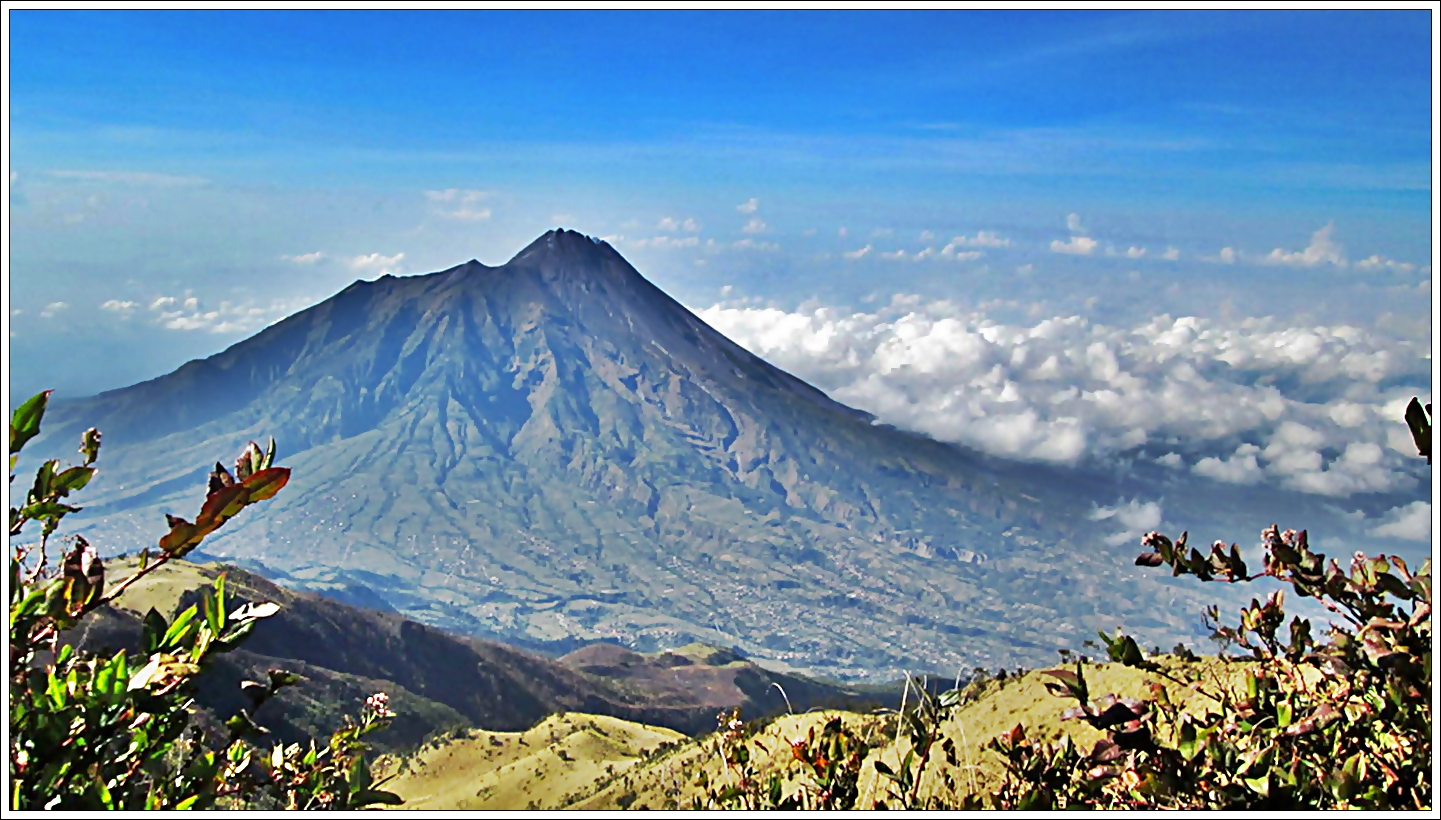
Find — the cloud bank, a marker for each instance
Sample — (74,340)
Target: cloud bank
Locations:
(1311,408)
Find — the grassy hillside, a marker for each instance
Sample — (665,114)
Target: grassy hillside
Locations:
(562,759)
(674,776)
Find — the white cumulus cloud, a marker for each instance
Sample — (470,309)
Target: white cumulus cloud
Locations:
(755,225)
(858,253)
(1377,262)
(304,258)
(1077,245)
(1409,523)
(1322,250)
(750,206)
(1311,408)
(1135,518)
(192,314)
(375,263)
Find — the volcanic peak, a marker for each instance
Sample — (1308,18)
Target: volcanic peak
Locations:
(568,246)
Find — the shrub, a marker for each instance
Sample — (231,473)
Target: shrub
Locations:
(1341,720)
(1294,720)
(91,732)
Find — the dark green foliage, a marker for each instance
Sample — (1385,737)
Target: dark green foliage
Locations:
(90,731)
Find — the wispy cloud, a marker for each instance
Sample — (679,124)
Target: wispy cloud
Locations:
(124,308)
(1377,262)
(1132,252)
(53,308)
(755,245)
(666,242)
(460,203)
(858,253)
(137,178)
(755,225)
(671,224)
(750,206)
(189,313)
(375,263)
(983,239)
(304,258)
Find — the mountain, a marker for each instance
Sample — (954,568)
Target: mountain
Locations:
(554,452)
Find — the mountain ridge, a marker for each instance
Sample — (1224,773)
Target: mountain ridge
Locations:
(554,449)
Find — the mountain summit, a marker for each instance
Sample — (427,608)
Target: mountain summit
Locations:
(555,452)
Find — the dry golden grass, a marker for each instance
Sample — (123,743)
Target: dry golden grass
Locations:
(473,773)
(564,757)
(160,589)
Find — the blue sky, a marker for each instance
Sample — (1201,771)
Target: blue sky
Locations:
(180,180)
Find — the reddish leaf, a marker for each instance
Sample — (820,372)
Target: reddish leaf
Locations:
(264,484)
(180,535)
(222,505)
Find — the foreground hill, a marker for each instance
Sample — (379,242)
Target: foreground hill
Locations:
(608,765)
(439,681)
(555,452)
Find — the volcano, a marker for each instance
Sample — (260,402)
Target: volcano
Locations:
(554,452)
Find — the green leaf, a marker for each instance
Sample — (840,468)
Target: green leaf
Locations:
(1393,586)
(242,725)
(1188,743)
(180,628)
(75,478)
(151,630)
(40,490)
(90,445)
(25,421)
(280,678)
(212,602)
(232,637)
(359,776)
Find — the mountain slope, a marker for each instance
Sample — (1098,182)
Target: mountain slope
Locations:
(554,451)
(437,680)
